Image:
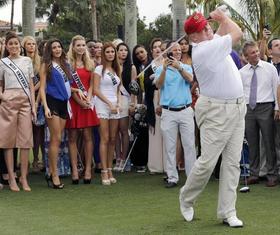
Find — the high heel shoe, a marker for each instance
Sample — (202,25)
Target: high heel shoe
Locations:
(51,184)
(105,181)
(26,187)
(87,181)
(14,188)
(75,181)
(56,186)
(111,178)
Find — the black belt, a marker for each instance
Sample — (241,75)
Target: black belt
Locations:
(260,103)
(176,109)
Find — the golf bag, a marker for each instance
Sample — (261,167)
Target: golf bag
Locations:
(139,138)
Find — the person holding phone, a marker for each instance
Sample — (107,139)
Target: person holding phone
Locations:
(173,78)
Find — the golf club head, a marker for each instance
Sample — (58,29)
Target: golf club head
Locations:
(244,189)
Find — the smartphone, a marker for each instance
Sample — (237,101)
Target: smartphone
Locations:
(169,55)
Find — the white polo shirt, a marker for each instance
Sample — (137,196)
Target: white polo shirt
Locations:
(217,74)
(268,81)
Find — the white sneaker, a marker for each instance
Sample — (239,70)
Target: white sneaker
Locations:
(187,212)
(233,222)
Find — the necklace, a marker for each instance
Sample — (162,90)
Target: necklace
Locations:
(80,64)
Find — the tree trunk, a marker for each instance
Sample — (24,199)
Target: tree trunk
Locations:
(28,18)
(130,23)
(93,19)
(12,14)
(179,16)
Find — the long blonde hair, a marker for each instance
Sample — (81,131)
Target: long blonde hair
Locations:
(36,61)
(71,55)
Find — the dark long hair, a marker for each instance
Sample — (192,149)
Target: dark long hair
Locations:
(48,57)
(115,63)
(135,60)
(126,72)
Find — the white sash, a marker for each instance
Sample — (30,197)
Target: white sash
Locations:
(67,86)
(154,67)
(124,91)
(81,86)
(19,75)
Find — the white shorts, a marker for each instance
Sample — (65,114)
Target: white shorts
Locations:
(125,100)
(103,111)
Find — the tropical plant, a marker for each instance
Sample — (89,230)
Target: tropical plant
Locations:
(179,16)
(28,18)
(4,3)
(130,23)
(251,15)
(162,28)
(68,18)
(254,15)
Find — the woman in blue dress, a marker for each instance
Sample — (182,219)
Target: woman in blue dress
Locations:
(55,92)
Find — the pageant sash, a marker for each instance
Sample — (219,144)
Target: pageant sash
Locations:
(124,91)
(81,86)
(114,80)
(65,78)
(78,82)
(153,66)
(67,86)
(19,75)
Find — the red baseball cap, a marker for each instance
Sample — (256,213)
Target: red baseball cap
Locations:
(195,23)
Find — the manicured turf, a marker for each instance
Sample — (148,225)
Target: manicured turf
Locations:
(137,204)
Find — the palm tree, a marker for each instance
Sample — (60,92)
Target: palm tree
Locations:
(130,23)
(251,15)
(254,15)
(105,7)
(179,16)
(93,19)
(28,17)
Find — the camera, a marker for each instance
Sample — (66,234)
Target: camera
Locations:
(169,55)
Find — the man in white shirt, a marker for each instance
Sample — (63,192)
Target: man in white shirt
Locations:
(261,112)
(219,113)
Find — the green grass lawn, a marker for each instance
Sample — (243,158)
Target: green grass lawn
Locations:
(137,204)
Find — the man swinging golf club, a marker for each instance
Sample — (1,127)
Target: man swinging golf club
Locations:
(219,113)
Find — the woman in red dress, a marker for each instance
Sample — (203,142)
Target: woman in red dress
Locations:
(83,112)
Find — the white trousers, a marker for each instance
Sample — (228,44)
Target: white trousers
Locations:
(222,132)
(171,122)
